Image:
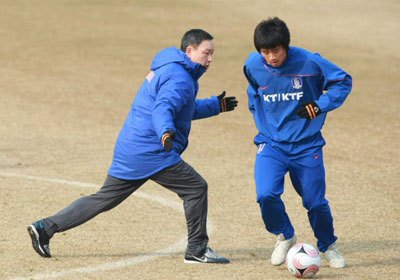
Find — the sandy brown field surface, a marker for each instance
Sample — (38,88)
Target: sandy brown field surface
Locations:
(69,71)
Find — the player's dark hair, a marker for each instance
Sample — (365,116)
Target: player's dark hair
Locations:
(194,37)
(271,33)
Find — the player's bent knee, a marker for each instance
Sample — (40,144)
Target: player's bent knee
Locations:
(267,197)
(203,186)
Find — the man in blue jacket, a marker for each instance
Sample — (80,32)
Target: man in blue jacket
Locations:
(286,97)
(150,145)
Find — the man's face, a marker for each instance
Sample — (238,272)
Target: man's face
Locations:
(274,56)
(202,54)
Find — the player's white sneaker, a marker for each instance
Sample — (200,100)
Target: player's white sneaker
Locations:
(334,257)
(282,246)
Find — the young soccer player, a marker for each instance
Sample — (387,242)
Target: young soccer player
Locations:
(286,97)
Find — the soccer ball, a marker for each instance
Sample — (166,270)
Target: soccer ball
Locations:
(303,260)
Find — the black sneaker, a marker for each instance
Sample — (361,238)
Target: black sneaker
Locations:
(40,240)
(208,257)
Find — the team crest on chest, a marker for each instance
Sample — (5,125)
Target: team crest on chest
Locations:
(297,83)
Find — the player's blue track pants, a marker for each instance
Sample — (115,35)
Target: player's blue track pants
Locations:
(307,174)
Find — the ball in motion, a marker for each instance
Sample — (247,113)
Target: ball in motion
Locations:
(303,260)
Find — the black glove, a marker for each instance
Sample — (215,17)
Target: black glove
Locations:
(167,140)
(309,110)
(227,103)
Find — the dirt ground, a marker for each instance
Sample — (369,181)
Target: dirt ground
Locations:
(69,70)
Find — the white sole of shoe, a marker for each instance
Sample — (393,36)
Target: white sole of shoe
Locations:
(189,261)
(31,230)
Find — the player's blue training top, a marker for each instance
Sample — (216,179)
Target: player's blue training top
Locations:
(275,93)
(165,101)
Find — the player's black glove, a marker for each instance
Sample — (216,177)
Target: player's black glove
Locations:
(167,140)
(309,110)
(227,103)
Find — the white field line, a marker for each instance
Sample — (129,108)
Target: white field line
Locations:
(178,246)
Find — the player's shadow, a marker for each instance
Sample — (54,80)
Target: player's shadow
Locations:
(379,246)
(248,254)
(368,246)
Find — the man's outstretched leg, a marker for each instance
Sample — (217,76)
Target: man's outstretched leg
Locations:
(113,192)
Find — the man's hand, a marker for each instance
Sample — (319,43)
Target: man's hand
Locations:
(227,103)
(309,110)
(167,140)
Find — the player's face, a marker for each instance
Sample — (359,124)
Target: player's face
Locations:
(202,54)
(274,56)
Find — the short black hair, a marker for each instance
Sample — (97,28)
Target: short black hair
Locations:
(271,33)
(194,37)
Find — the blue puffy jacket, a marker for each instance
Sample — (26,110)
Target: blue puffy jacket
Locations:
(165,101)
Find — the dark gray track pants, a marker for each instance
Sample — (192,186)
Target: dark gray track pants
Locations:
(180,178)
